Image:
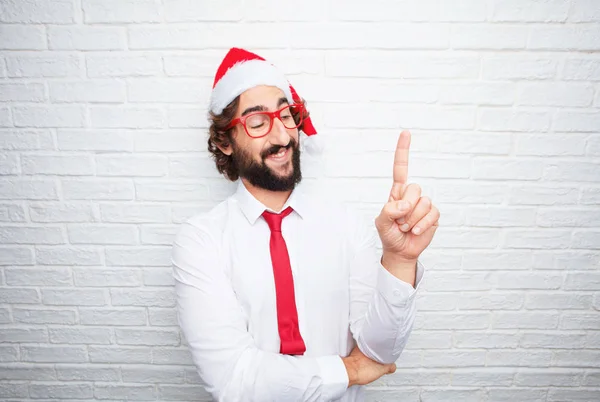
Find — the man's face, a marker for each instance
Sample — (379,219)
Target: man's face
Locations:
(271,162)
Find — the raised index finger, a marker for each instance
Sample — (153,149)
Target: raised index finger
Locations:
(400,174)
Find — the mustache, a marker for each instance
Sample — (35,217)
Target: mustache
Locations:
(276,148)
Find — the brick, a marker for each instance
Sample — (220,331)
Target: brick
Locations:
(143,297)
(68,391)
(80,335)
(590,196)
(137,165)
(525,320)
(45,316)
(169,141)
(125,392)
(163,317)
(574,37)
(68,256)
(86,38)
(171,190)
(582,281)
(584,11)
(79,372)
(504,37)
(88,91)
(27,11)
(126,117)
(16,256)
(25,372)
(9,354)
(444,358)
(451,281)
(6,119)
(160,235)
(104,277)
(500,216)
(172,356)
(487,340)
(14,390)
(463,238)
(19,296)
(24,189)
(517,67)
(536,239)
(436,302)
(593,145)
(94,140)
(468,192)
(385,65)
(52,212)
(26,139)
(181,65)
(32,65)
(583,69)
(552,340)
(489,377)
(567,260)
(112,317)
(102,234)
(25,92)
(145,374)
(135,213)
(572,394)
(576,358)
(540,11)
(505,260)
(576,121)
(98,189)
(9,164)
(183,393)
(56,276)
(158,277)
(477,94)
(509,120)
(23,335)
(453,320)
(558,301)
(117,355)
(150,337)
(122,64)
(187,117)
(532,194)
(49,116)
(139,256)
(524,280)
(54,354)
(591,379)
(68,165)
(12,213)
(550,145)
(173,90)
(586,239)
(5,316)
(114,11)
(518,358)
(490,301)
(552,377)
(189,11)
(412,377)
(515,394)
(73,297)
(554,217)
(557,94)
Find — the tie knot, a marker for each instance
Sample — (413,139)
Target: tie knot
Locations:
(274,220)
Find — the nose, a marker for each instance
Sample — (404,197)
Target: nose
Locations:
(279,134)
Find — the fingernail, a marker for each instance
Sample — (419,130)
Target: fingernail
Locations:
(417,230)
(404,227)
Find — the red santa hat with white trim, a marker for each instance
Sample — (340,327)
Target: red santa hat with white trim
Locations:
(241,70)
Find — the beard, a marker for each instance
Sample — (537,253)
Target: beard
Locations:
(261,175)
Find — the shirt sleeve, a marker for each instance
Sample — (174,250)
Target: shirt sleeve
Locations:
(382,307)
(214,325)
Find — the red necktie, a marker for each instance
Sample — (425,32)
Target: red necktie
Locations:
(287,316)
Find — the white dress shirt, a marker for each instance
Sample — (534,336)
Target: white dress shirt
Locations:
(227,308)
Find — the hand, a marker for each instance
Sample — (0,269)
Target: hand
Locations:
(362,370)
(407,222)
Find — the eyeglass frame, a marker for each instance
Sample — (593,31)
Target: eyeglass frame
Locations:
(272,116)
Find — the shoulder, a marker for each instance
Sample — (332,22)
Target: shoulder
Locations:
(204,226)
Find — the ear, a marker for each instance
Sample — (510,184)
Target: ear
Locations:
(228,150)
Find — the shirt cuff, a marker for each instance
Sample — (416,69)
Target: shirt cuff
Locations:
(334,375)
(396,291)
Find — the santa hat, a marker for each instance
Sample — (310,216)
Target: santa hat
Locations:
(241,70)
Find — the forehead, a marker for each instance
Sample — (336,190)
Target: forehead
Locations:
(261,95)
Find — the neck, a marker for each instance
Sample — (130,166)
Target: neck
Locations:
(274,200)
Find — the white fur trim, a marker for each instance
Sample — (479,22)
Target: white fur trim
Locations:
(243,76)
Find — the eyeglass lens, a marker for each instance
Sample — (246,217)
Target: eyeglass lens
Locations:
(259,123)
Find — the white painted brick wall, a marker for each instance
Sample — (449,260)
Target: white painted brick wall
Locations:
(103,139)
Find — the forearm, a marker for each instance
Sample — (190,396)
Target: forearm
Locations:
(405,270)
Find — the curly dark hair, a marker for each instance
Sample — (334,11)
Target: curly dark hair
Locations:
(219,136)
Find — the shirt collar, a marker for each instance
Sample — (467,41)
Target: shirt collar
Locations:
(253,209)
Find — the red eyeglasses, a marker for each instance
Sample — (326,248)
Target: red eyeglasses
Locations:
(259,124)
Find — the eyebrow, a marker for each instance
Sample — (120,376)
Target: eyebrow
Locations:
(259,108)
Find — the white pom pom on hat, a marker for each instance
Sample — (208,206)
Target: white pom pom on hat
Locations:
(241,70)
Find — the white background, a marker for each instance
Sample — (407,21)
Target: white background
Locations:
(103,138)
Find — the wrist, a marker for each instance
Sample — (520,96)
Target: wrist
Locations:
(393,262)
(351,369)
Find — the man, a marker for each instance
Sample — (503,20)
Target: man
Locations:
(281,295)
